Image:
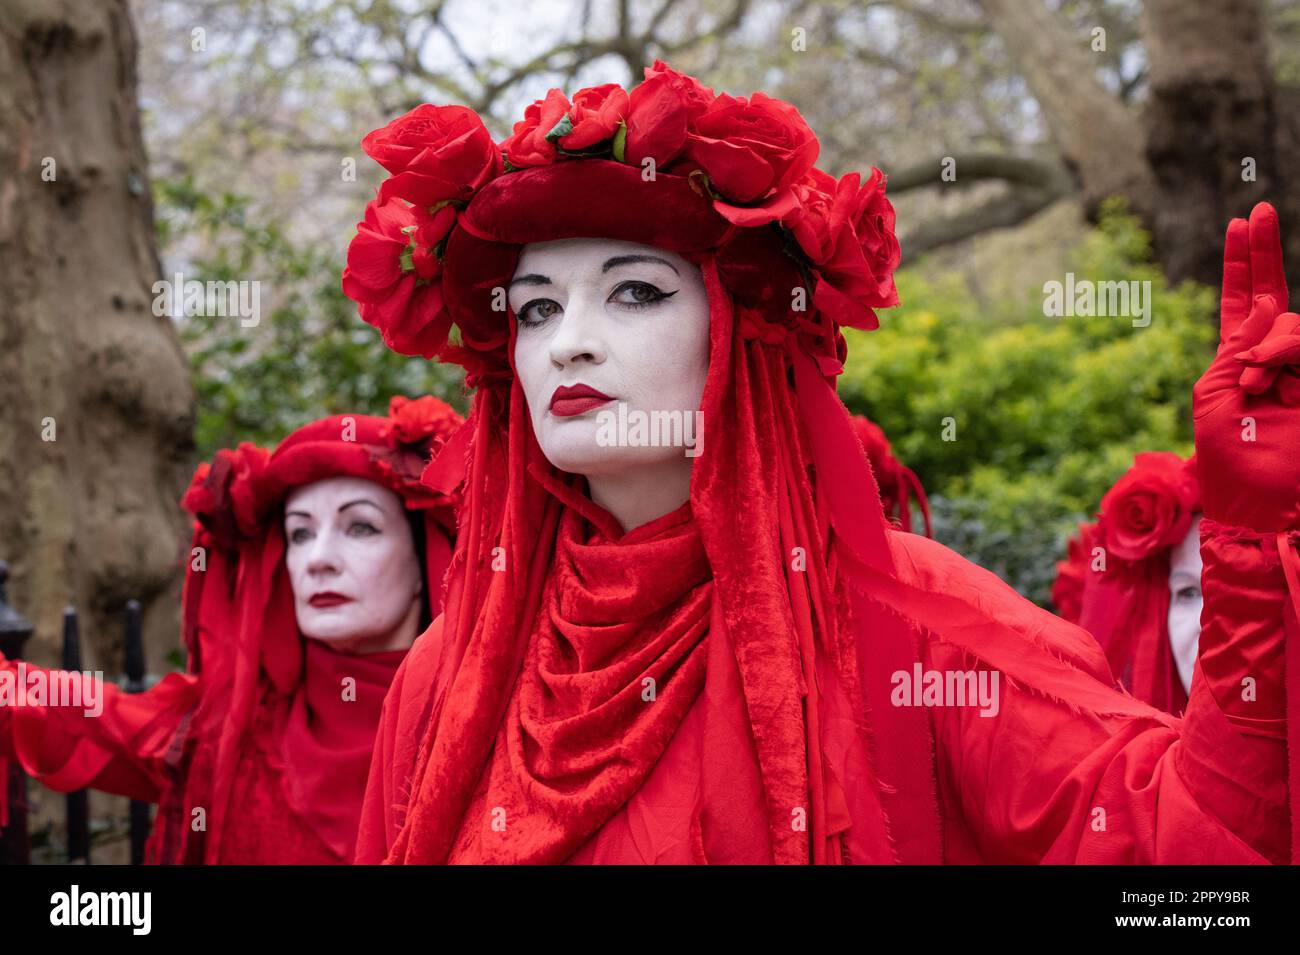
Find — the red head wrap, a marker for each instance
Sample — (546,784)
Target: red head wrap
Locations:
(240,626)
(788,255)
(898,483)
(1114,581)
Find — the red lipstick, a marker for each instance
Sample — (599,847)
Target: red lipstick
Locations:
(327,598)
(570,400)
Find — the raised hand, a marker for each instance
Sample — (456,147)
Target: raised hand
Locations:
(1247,404)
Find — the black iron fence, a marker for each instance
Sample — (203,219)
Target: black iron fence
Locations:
(15,842)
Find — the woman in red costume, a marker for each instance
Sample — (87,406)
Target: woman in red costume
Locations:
(312,571)
(898,483)
(720,652)
(1133,579)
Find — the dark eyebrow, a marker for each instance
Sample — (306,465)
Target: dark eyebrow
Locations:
(618,260)
(342,508)
(533,278)
(530,279)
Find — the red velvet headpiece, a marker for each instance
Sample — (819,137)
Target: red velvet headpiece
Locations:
(669,164)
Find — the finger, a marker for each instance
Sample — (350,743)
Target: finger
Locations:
(1224,373)
(1279,345)
(1279,348)
(1256,381)
(1255,328)
(1234,305)
(1267,274)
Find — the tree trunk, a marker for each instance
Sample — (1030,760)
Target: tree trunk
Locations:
(1211,130)
(97,408)
(1099,138)
(1180,165)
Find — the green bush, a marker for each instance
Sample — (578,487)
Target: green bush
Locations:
(1047,411)
(309,356)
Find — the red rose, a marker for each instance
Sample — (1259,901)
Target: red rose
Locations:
(873,225)
(694,95)
(847,231)
(434,153)
(1150,508)
(809,221)
(415,430)
(199,498)
(657,115)
(224,495)
(413,420)
(249,464)
(390,265)
(595,116)
(528,145)
(754,151)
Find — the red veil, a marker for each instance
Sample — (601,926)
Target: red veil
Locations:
(782,474)
(242,635)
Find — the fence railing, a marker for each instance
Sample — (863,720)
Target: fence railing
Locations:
(15,842)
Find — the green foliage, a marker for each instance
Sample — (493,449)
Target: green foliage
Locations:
(310,354)
(1048,412)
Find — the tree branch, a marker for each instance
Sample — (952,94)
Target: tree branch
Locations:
(1097,134)
(1001,212)
(977,167)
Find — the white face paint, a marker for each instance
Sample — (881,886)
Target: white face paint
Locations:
(1185,601)
(352,565)
(631,323)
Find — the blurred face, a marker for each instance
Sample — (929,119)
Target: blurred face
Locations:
(609,328)
(352,564)
(1185,602)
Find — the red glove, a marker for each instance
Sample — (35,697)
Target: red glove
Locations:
(1247,404)
(1247,412)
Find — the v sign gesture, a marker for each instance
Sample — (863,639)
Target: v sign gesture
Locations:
(1247,411)
(1247,404)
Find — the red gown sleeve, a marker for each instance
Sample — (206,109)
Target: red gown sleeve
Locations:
(119,749)
(1072,769)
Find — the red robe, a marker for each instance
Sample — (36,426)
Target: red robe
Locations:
(1084,774)
(515,732)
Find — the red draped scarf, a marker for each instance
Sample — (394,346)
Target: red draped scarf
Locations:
(328,736)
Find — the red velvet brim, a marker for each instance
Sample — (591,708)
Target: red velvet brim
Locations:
(318,451)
